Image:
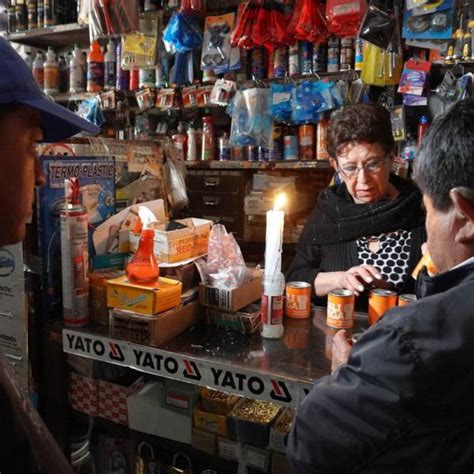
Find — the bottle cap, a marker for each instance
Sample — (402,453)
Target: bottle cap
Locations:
(423,119)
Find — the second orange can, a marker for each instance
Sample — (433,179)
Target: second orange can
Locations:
(298,300)
(340,313)
(380,301)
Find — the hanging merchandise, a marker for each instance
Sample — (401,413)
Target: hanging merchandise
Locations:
(242,35)
(412,82)
(379,23)
(345,16)
(381,68)
(222,92)
(90,109)
(108,18)
(281,107)
(308,22)
(309,99)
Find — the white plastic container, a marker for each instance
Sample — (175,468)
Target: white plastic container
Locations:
(76,72)
(110,66)
(38,68)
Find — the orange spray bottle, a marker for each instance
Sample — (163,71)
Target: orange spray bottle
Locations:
(143,268)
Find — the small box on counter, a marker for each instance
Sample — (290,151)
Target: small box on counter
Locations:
(113,400)
(280,464)
(215,401)
(247,320)
(83,394)
(179,396)
(249,421)
(175,245)
(257,458)
(210,422)
(231,300)
(280,430)
(144,299)
(204,441)
(147,416)
(153,330)
(187,274)
(99,313)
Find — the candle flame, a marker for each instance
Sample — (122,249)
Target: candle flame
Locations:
(280,201)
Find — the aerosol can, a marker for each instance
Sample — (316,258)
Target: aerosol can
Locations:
(74,257)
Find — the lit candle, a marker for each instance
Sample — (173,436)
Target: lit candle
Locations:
(274,281)
(274,238)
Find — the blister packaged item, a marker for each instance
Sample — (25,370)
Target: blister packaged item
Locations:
(310,99)
(344,16)
(166,99)
(203,95)
(281,107)
(397,117)
(381,67)
(379,23)
(226,267)
(189,96)
(216,47)
(182,34)
(89,109)
(145,99)
(108,18)
(414,77)
(251,119)
(138,51)
(222,92)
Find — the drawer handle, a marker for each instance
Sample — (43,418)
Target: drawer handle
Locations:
(211,201)
(211,182)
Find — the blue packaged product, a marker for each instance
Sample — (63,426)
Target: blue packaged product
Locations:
(281,107)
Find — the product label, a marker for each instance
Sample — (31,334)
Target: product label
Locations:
(272,309)
(95,76)
(51,78)
(109,73)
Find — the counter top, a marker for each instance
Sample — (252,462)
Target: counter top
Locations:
(281,370)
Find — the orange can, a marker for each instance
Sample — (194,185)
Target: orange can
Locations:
(380,301)
(298,299)
(405,300)
(425,261)
(340,313)
(306,142)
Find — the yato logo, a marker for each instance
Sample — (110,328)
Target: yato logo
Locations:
(280,392)
(191,370)
(115,352)
(7,263)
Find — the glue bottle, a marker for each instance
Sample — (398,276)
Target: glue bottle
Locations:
(143,268)
(272,306)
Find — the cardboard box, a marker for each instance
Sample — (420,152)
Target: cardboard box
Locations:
(98,311)
(210,422)
(84,394)
(146,415)
(187,274)
(113,400)
(149,300)
(257,458)
(232,300)
(280,464)
(179,396)
(153,330)
(218,405)
(204,441)
(246,321)
(280,430)
(180,244)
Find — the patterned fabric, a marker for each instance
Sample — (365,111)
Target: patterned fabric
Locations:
(391,259)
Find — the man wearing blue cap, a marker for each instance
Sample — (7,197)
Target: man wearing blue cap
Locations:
(27,117)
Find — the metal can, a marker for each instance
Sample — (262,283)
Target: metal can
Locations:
(333,54)
(237,154)
(321,140)
(340,312)
(257,63)
(224,149)
(298,300)
(347,54)
(306,142)
(405,300)
(280,63)
(250,153)
(306,58)
(319,58)
(262,153)
(359,54)
(294,60)
(380,301)
(290,147)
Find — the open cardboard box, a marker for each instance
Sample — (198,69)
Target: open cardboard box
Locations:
(232,300)
(181,244)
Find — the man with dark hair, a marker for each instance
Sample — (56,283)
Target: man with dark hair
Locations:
(26,118)
(402,402)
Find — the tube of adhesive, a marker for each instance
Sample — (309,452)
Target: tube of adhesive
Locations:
(272,306)
(74,257)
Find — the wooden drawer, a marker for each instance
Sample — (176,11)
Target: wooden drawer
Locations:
(205,201)
(220,181)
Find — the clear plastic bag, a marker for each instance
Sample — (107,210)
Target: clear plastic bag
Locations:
(175,172)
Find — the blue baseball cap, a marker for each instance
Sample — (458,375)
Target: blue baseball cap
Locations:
(17,85)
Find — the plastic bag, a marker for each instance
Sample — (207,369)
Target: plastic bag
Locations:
(379,23)
(281,107)
(345,16)
(309,100)
(308,22)
(89,109)
(175,172)
(225,264)
(182,34)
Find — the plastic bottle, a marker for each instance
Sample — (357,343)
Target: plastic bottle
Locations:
(123,75)
(191,154)
(95,68)
(51,73)
(38,68)
(409,150)
(110,66)
(208,151)
(422,129)
(76,73)
(180,140)
(143,268)
(63,74)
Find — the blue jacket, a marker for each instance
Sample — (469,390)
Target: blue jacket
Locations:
(404,402)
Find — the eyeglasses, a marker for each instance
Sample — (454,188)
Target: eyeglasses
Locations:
(372,167)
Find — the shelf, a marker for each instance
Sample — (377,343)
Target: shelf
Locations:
(59,36)
(257,165)
(281,370)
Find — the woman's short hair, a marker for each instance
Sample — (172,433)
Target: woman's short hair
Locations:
(360,123)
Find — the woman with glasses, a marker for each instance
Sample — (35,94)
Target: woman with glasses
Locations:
(367,231)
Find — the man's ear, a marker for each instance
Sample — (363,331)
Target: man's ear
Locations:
(464,213)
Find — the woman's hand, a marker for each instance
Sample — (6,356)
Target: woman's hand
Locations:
(354,279)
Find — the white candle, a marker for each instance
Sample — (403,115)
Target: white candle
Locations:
(274,239)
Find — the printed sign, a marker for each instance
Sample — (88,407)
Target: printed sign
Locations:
(186,369)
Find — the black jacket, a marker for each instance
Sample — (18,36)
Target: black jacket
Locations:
(403,403)
(328,241)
